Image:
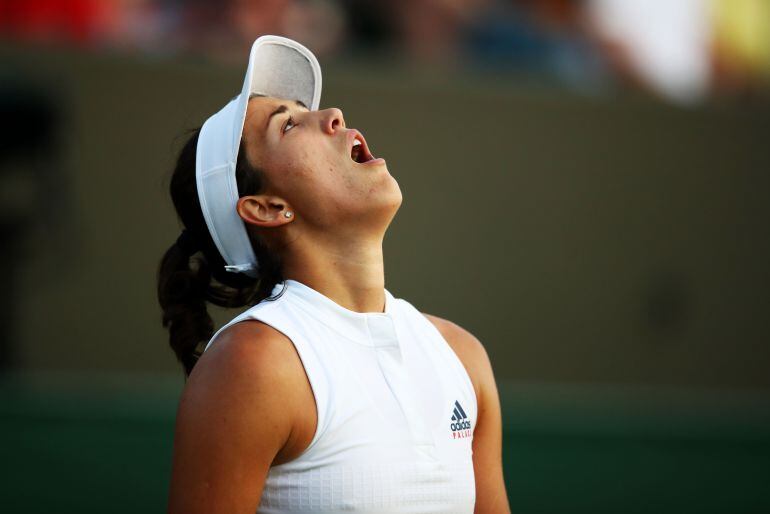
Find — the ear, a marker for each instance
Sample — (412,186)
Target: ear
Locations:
(264,210)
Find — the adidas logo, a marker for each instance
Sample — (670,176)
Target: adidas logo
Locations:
(461,425)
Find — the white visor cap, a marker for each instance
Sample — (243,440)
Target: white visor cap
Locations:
(278,67)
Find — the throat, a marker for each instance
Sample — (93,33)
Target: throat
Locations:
(353,278)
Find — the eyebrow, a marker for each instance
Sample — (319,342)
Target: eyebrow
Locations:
(282,109)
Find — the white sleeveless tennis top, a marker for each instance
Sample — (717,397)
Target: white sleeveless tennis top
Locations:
(396,410)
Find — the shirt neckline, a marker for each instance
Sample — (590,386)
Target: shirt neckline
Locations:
(367,328)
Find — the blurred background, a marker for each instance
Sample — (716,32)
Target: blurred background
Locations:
(593,175)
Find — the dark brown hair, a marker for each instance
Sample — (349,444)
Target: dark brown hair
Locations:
(192,272)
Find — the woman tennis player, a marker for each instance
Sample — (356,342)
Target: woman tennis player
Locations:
(327,394)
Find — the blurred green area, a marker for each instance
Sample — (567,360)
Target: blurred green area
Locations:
(104,443)
(611,254)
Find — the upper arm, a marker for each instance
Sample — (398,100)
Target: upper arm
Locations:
(491,496)
(224,442)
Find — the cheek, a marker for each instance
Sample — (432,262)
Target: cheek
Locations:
(301,161)
(287,169)
(302,175)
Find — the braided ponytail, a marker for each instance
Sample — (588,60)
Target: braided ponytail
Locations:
(191,272)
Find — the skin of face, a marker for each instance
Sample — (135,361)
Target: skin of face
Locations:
(306,159)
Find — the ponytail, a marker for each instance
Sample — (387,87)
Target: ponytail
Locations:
(191,272)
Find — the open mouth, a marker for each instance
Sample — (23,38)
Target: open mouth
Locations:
(359,151)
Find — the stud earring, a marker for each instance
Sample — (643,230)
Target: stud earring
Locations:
(288,214)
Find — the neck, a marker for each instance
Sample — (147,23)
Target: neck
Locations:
(352,274)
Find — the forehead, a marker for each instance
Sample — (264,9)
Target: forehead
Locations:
(259,112)
(261,108)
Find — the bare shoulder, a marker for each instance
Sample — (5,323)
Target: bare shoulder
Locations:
(245,358)
(224,444)
(250,369)
(249,349)
(469,350)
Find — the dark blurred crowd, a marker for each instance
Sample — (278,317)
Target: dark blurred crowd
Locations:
(682,50)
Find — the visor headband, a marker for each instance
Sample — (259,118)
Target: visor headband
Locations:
(278,67)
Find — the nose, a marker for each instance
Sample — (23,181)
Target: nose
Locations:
(331,120)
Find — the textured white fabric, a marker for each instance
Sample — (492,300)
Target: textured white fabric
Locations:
(396,410)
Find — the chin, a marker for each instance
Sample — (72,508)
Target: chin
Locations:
(394,199)
(398,194)
(382,203)
(393,191)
